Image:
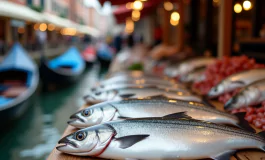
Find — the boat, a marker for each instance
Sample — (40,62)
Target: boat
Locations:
(89,55)
(19,79)
(62,70)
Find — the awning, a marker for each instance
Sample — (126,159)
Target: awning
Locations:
(121,13)
(16,11)
(88,30)
(58,21)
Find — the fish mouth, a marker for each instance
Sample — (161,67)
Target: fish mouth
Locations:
(74,117)
(65,142)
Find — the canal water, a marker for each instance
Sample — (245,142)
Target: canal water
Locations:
(35,135)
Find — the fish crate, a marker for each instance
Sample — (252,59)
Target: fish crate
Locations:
(240,155)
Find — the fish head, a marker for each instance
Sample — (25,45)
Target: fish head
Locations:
(90,141)
(235,102)
(216,91)
(93,115)
(100,96)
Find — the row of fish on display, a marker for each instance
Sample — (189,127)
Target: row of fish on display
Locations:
(19,78)
(142,116)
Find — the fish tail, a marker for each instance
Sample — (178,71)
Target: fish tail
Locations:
(243,124)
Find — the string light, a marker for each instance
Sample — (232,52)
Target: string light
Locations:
(51,27)
(174,23)
(247,5)
(43,27)
(175,16)
(36,26)
(136,14)
(68,31)
(168,6)
(237,8)
(129,5)
(129,27)
(137,5)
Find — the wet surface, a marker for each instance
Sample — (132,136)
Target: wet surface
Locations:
(35,134)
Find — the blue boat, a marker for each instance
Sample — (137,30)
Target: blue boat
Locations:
(19,78)
(64,69)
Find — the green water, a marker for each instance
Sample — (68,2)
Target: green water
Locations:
(37,132)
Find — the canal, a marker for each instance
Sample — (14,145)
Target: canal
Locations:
(34,135)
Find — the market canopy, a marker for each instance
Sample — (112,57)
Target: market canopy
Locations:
(58,21)
(122,12)
(13,10)
(88,30)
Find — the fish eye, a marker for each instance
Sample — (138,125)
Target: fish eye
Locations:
(98,93)
(80,136)
(86,112)
(215,89)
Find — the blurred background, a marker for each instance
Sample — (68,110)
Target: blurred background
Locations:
(45,44)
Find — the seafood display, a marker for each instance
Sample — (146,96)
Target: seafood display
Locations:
(138,115)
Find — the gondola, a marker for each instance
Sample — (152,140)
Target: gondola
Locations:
(62,70)
(89,55)
(19,78)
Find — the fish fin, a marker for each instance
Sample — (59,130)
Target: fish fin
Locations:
(240,83)
(126,95)
(206,101)
(128,141)
(224,156)
(161,96)
(122,117)
(178,115)
(243,123)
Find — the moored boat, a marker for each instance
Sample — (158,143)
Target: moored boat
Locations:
(64,69)
(19,78)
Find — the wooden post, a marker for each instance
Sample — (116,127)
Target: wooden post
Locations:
(166,19)
(180,27)
(209,25)
(257,20)
(194,21)
(225,28)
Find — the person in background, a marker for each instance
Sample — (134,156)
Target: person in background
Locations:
(158,35)
(118,42)
(130,41)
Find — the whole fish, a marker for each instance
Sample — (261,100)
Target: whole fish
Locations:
(250,95)
(134,74)
(194,76)
(105,84)
(237,80)
(159,139)
(124,78)
(135,92)
(188,66)
(173,87)
(152,107)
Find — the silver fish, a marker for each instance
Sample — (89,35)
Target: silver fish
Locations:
(159,139)
(188,66)
(194,76)
(124,78)
(135,92)
(133,74)
(152,107)
(250,95)
(237,80)
(173,87)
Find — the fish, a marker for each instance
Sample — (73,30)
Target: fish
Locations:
(194,76)
(172,87)
(187,66)
(159,139)
(137,92)
(141,79)
(133,74)
(156,106)
(252,94)
(236,81)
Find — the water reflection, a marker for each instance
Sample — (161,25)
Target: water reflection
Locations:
(37,132)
